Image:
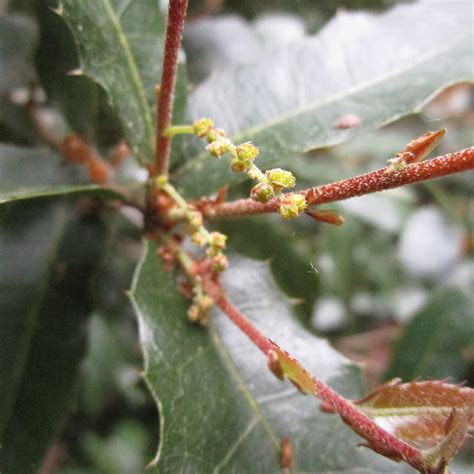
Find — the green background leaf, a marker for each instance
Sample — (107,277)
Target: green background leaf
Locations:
(27,173)
(433,343)
(221,410)
(379,68)
(48,260)
(121,48)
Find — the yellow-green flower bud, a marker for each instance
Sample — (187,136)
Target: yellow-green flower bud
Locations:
(217,240)
(202,127)
(220,262)
(193,313)
(262,192)
(196,219)
(280,179)
(215,134)
(176,214)
(161,180)
(240,166)
(218,147)
(246,152)
(199,238)
(205,303)
(292,205)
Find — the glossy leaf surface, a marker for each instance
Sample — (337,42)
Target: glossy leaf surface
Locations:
(121,48)
(376,67)
(432,415)
(221,410)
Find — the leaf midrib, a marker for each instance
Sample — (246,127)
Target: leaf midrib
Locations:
(250,132)
(136,79)
(247,395)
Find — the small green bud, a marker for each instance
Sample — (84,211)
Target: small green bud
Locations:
(196,219)
(217,240)
(246,152)
(215,134)
(240,166)
(202,127)
(199,238)
(262,192)
(218,147)
(280,179)
(193,313)
(292,205)
(176,214)
(161,180)
(205,303)
(220,262)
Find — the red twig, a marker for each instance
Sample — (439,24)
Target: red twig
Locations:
(240,320)
(359,421)
(357,186)
(176,15)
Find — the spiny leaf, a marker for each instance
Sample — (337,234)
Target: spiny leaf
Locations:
(30,173)
(432,416)
(417,411)
(376,67)
(220,408)
(120,46)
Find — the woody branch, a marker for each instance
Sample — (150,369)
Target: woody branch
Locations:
(374,181)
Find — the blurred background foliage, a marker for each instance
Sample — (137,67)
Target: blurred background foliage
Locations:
(398,275)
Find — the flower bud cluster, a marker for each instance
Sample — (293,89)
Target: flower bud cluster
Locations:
(270,184)
(199,311)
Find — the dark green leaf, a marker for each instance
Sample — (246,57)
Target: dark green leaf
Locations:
(27,173)
(434,343)
(378,68)
(47,265)
(221,410)
(121,48)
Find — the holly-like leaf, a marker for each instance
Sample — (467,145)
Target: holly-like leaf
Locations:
(28,173)
(432,416)
(116,45)
(48,260)
(377,68)
(121,47)
(434,343)
(221,410)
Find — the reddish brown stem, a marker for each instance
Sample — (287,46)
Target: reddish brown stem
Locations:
(359,421)
(357,186)
(239,319)
(174,29)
